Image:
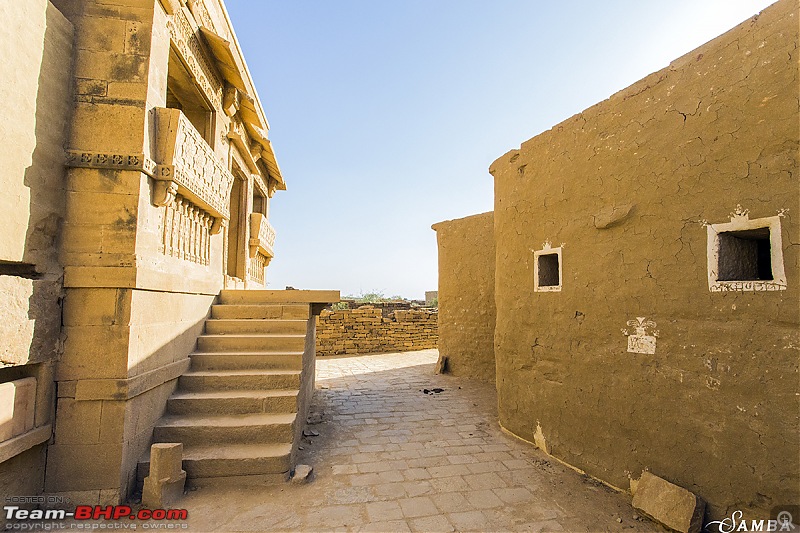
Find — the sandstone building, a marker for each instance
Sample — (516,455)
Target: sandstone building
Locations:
(646,277)
(138,187)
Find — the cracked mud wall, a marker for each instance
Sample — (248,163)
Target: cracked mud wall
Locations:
(624,188)
(466,295)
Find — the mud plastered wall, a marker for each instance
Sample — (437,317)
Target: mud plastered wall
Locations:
(364,330)
(626,190)
(466,295)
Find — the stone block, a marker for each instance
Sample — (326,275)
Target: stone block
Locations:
(164,485)
(97,307)
(669,504)
(100,34)
(83,467)
(112,422)
(17,407)
(94,352)
(77,422)
(30,328)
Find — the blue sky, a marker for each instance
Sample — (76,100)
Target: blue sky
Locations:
(385,116)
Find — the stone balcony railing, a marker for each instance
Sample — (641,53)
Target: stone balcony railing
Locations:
(188,166)
(262,235)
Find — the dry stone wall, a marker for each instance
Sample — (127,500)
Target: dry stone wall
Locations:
(365,330)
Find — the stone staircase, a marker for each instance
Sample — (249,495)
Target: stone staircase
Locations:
(240,408)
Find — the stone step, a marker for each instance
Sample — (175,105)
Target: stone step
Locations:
(222,430)
(220,380)
(232,296)
(257,325)
(247,360)
(232,402)
(272,312)
(250,343)
(230,461)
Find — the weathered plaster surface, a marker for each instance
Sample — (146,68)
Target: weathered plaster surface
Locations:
(466,295)
(629,185)
(36,52)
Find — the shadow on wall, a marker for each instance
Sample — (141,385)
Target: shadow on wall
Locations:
(31,281)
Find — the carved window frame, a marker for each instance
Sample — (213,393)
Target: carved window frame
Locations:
(740,221)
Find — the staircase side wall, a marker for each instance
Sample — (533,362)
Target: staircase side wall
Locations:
(307,382)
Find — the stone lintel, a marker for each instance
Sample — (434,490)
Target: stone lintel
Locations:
(26,441)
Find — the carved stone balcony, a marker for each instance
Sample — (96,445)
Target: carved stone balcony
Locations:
(262,235)
(188,166)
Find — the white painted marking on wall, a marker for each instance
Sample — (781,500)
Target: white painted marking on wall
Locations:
(643,337)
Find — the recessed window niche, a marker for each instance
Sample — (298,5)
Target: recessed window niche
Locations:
(547,269)
(745,255)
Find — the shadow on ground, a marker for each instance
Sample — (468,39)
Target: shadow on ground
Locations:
(390,457)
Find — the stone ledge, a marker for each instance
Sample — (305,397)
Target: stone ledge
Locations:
(142,278)
(125,389)
(26,441)
(287,296)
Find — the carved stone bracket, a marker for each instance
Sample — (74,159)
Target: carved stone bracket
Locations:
(164,192)
(237,134)
(272,187)
(231,100)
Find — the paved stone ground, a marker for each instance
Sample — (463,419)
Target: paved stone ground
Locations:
(391,458)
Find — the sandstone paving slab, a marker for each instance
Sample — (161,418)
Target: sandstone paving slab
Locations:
(389,458)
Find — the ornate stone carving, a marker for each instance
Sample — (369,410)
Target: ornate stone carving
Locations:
(82,159)
(242,154)
(231,100)
(257,266)
(164,192)
(185,159)
(262,235)
(260,185)
(186,231)
(272,187)
(183,32)
(200,12)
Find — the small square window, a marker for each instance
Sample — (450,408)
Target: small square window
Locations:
(547,269)
(745,255)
